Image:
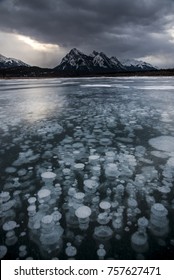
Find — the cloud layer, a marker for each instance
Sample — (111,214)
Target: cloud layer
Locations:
(124,28)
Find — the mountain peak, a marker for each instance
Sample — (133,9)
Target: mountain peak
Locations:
(75,51)
(75,61)
(8,62)
(2,56)
(94,53)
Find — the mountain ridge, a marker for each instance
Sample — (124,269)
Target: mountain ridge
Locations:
(75,60)
(98,62)
(76,63)
(136,64)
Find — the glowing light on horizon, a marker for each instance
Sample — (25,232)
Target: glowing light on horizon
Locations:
(171,34)
(36,45)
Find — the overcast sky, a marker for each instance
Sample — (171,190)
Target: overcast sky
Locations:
(41,32)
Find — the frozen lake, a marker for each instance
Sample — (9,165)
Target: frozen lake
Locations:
(87,168)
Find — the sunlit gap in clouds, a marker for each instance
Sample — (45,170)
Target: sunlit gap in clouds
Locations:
(36,45)
(171,34)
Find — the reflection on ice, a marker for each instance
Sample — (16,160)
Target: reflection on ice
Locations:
(96,85)
(90,176)
(161,87)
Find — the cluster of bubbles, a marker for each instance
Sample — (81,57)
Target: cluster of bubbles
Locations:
(89,186)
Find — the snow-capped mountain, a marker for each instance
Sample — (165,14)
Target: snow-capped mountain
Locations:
(6,62)
(97,62)
(137,65)
(76,62)
(117,63)
(102,62)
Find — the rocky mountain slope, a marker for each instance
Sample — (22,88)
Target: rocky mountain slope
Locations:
(98,62)
(7,62)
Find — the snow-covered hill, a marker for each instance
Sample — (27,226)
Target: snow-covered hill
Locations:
(132,64)
(6,62)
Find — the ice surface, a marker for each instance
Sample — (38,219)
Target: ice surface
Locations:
(163,143)
(3,251)
(10,225)
(101,252)
(107,143)
(48,175)
(83,212)
(162,87)
(159,154)
(44,193)
(170,162)
(105,205)
(70,251)
(96,85)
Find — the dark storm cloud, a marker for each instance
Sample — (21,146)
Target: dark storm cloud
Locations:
(120,27)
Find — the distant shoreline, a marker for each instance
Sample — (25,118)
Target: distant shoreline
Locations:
(46,73)
(158,73)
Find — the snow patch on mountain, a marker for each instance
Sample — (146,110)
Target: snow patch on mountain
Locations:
(8,62)
(136,63)
(99,60)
